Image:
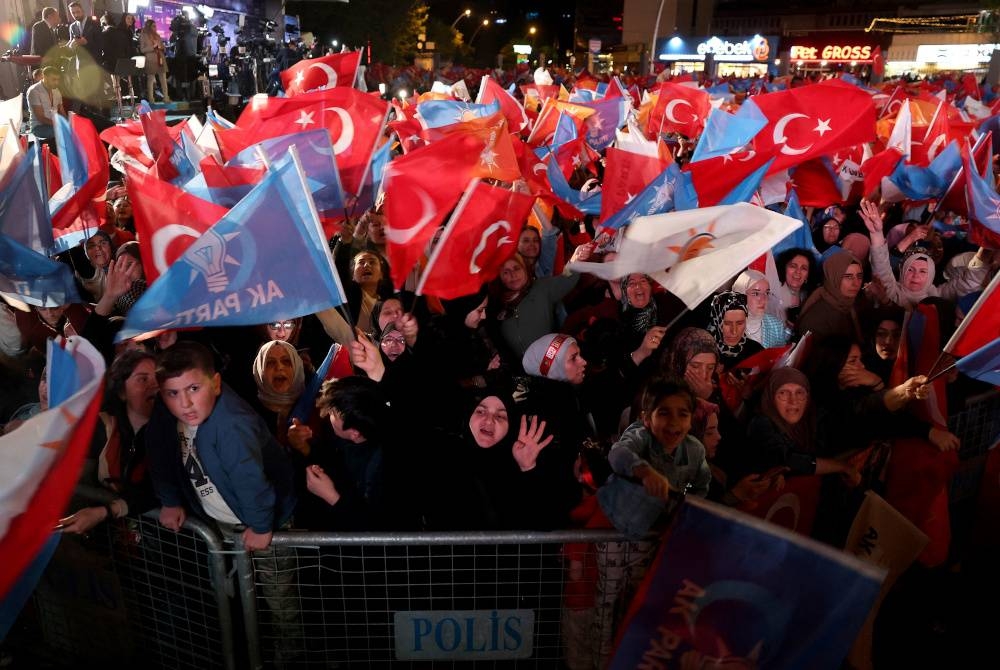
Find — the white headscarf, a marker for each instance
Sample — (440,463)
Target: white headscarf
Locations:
(268,396)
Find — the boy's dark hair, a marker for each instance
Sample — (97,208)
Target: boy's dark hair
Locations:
(663,387)
(184,356)
(358,402)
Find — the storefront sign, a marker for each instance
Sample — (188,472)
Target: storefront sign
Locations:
(835,53)
(756,49)
(955,55)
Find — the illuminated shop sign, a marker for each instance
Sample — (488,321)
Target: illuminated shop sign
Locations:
(955,55)
(833,53)
(756,49)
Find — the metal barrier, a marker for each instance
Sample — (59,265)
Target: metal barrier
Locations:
(447,599)
(133,593)
(978,427)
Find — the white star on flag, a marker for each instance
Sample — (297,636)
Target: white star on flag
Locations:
(822,126)
(489,158)
(300,77)
(305,119)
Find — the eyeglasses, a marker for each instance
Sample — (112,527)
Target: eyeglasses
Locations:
(278,325)
(797,394)
(757,293)
(396,341)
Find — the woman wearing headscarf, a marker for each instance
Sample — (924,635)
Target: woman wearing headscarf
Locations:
(797,272)
(728,325)
(763,328)
(783,434)
(916,275)
(830,309)
(281,379)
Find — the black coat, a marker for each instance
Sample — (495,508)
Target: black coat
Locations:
(43,39)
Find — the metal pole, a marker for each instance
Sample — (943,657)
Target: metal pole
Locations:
(656,30)
(248,598)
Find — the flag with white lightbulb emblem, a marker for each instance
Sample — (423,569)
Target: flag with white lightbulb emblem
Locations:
(265,260)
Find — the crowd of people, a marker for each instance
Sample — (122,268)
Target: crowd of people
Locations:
(546,400)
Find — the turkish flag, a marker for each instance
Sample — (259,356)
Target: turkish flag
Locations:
(679,109)
(812,121)
(935,138)
(321,73)
(625,176)
(490,91)
(481,234)
(878,166)
(815,184)
(355,121)
(86,206)
(161,145)
(545,127)
(167,220)
(891,107)
(715,178)
(980,326)
(982,155)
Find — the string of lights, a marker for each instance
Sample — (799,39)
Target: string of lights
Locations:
(922,24)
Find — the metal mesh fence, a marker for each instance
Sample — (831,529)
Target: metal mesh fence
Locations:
(132,594)
(978,428)
(542,600)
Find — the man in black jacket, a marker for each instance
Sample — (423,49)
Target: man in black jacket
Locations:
(43,34)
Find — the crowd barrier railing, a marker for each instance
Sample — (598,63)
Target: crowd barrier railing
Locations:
(540,599)
(133,594)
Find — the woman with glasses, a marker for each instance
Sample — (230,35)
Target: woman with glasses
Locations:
(783,434)
(763,328)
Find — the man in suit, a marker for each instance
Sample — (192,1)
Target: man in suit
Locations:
(43,34)
(87,88)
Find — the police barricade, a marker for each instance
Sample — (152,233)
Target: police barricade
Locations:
(131,593)
(978,428)
(537,599)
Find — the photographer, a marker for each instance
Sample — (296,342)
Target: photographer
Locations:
(184,39)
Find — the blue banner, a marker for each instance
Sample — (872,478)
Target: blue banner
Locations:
(729,590)
(266,260)
(33,278)
(24,215)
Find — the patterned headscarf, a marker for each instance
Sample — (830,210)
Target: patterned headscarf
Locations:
(689,343)
(268,396)
(722,303)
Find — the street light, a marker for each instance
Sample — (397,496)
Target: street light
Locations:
(458,18)
(532,30)
(484,24)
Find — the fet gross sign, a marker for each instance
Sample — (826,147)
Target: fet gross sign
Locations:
(831,52)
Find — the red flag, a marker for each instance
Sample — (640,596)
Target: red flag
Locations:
(167,220)
(548,119)
(878,166)
(355,121)
(715,178)
(756,367)
(129,138)
(815,184)
(615,89)
(970,86)
(321,73)
(980,326)
(625,176)
(813,121)
(513,111)
(161,145)
(878,62)
(892,105)
(982,156)
(48,452)
(935,138)
(87,204)
(919,348)
(679,109)
(480,236)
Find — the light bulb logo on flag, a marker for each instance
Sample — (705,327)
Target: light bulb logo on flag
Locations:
(208,258)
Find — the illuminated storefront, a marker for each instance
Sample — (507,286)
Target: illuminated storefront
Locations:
(827,52)
(741,57)
(930,53)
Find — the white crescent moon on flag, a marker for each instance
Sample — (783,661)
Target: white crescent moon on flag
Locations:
(346,131)
(936,147)
(477,252)
(162,237)
(331,74)
(427,211)
(780,138)
(750,154)
(787,501)
(672,105)
(536,167)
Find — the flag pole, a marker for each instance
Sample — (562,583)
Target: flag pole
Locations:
(942,372)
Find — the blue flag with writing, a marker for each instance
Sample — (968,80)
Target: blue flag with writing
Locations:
(34,278)
(609,115)
(656,198)
(732,591)
(266,260)
(982,199)
(319,165)
(24,215)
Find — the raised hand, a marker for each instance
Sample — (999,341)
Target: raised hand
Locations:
(365,356)
(407,325)
(871,215)
(320,484)
(530,443)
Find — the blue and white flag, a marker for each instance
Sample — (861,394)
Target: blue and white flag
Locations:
(705,604)
(588,203)
(924,183)
(438,113)
(725,132)
(265,260)
(32,278)
(656,198)
(72,165)
(609,115)
(24,215)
